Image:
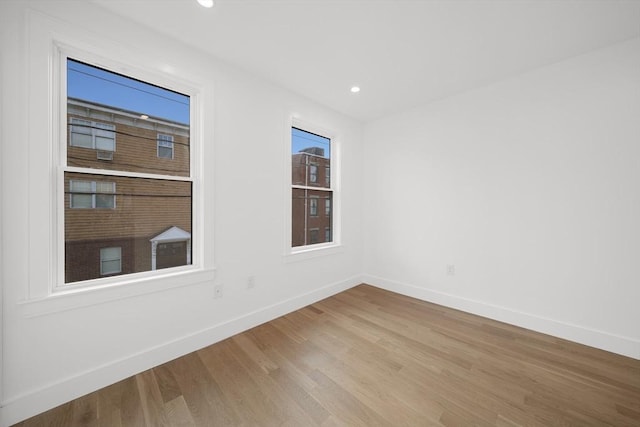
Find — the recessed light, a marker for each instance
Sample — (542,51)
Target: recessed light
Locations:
(206,3)
(355,89)
(144,116)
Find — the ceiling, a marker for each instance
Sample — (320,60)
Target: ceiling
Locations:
(401,53)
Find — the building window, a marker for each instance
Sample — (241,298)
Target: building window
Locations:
(92,194)
(90,134)
(314,236)
(110,261)
(313,206)
(310,153)
(327,207)
(313,173)
(327,176)
(327,234)
(165,146)
(154,197)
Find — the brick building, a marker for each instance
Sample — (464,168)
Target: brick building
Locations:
(128,221)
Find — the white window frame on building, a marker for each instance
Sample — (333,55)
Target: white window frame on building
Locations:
(95,195)
(51,42)
(165,145)
(110,255)
(102,136)
(331,187)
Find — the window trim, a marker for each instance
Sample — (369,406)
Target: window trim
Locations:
(64,53)
(299,253)
(51,41)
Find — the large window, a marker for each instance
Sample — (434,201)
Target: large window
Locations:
(126,209)
(311,158)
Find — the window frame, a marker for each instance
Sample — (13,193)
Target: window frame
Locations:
(51,40)
(94,131)
(159,145)
(297,253)
(137,71)
(93,193)
(102,261)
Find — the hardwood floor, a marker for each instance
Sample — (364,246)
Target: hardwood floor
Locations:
(368,357)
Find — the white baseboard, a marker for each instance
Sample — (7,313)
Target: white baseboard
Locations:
(27,405)
(593,338)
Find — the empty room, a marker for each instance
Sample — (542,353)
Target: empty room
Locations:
(319,213)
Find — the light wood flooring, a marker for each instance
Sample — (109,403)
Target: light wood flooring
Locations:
(368,357)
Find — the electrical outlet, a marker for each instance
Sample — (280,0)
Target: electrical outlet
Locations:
(451,270)
(251,282)
(217,291)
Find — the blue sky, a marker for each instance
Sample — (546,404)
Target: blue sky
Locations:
(301,139)
(98,85)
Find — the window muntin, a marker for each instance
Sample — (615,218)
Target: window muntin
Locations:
(154,197)
(310,188)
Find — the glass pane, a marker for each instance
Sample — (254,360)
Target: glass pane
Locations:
(106,144)
(125,115)
(147,211)
(306,217)
(105,201)
(81,201)
(310,159)
(107,254)
(111,267)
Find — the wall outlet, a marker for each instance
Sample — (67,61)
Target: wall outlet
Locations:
(251,282)
(218,291)
(451,270)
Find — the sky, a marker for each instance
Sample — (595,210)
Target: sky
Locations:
(98,85)
(301,139)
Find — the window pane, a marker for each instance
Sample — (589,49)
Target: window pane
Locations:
(147,212)
(305,215)
(81,201)
(310,157)
(125,115)
(104,143)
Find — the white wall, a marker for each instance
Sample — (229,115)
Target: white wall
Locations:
(60,348)
(530,187)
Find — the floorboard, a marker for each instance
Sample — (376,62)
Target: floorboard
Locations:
(369,357)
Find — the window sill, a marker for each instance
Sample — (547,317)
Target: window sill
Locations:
(315,251)
(78,297)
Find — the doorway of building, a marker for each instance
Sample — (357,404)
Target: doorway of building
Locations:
(171,254)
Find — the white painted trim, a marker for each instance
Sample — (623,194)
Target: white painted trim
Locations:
(42,399)
(50,42)
(292,254)
(594,338)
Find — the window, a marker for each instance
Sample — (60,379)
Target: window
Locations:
(110,261)
(314,235)
(165,146)
(327,176)
(92,194)
(313,173)
(327,234)
(154,197)
(313,206)
(89,134)
(310,153)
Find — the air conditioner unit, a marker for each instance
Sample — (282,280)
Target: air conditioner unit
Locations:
(104,155)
